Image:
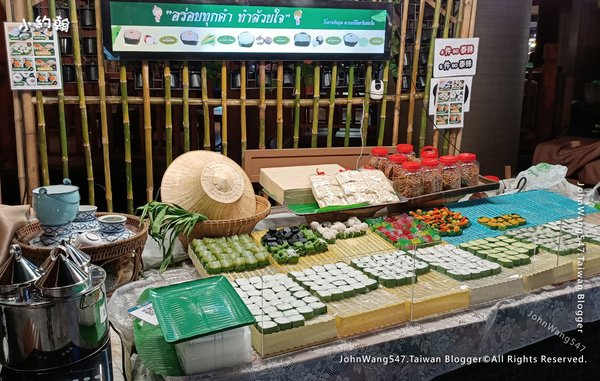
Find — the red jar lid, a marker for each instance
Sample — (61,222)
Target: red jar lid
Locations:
(398,159)
(411,165)
(449,159)
(467,157)
(429,155)
(493,178)
(379,151)
(404,148)
(430,162)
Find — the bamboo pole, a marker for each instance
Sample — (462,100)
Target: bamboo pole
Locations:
(448,134)
(243,75)
(297,95)
(62,121)
(383,110)
(178,101)
(415,67)
(446,33)
(127,138)
(186,107)
(147,131)
(103,114)
(168,114)
(279,104)
(349,116)
(224,108)
(41,120)
(364,124)
(204,79)
(397,100)
(332,93)
(425,110)
(316,96)
(262,107)
(468,33)
(18,122)
(82,105)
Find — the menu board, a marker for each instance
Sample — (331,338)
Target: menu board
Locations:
(449,103)
(260,29)
(33,55)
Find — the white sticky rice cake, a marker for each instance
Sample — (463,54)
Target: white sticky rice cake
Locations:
(302,39)
(246,39)
(189,37)
(132,36)
(350,39)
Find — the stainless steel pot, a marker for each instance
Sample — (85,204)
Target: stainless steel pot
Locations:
(53,321)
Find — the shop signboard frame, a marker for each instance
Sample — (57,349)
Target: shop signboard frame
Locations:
(256,30)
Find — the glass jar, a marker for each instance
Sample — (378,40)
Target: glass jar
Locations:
(431,175)
(407,151)
(393,165)
(407,182)
(469,169)
(450,172)
(429,152)
(378,158)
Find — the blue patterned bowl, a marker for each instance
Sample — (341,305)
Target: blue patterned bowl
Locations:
(86,213)
(112,223)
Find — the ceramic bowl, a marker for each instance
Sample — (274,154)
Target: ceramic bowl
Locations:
(112,223)
(86,213)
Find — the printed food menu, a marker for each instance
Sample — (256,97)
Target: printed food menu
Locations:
(34,60)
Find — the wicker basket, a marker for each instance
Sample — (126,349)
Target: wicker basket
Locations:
(225,228)
(125,255)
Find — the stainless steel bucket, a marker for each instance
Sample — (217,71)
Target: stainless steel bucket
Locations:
(48,325)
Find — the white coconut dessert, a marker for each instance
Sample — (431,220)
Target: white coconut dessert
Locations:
(132,36)
(246,39)
(302,39)
(350,39)
(189,37)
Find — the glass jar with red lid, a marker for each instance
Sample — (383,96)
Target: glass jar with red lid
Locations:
(406,150)
(408,182)
(469,169)
(378,158)
(394,165)
(431,173)
(450,172)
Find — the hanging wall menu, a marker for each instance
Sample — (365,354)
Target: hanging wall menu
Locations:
(33,57)
(260,30)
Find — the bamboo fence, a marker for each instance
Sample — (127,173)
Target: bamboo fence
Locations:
(309,97)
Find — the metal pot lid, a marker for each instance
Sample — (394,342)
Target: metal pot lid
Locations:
(62,277)
(17,271)
(81,259)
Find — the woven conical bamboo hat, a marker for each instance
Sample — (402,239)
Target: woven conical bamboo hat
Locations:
(209,183)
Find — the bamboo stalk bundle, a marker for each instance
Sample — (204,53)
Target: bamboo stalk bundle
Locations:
(279,104)
(297,82)
(147,131)
(127,138)
(332,92)
(397,100)
(243,74)
(168,114)
(18,118)
(204,80)
(41,120)
(415,67)
(316,96)
(383,111)
(103,114)
(349,116)
(262,107)
(224,108)
(62,121)
(82,105)
(186,106)
(425,110)
(366,102)
(446,33)
(450,134)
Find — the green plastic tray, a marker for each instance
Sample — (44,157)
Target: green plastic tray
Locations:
(198,308)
